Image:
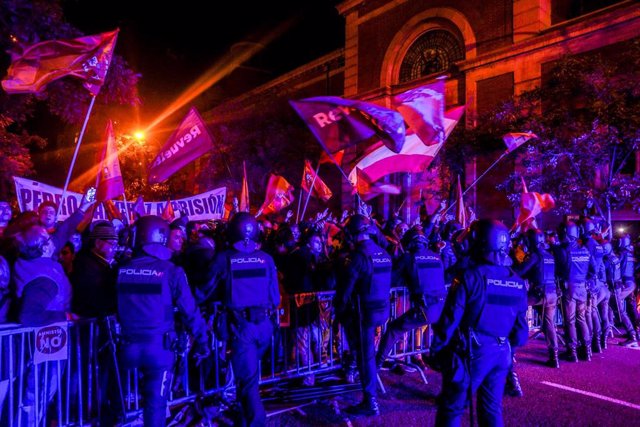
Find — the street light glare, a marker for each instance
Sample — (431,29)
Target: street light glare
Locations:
(139,135)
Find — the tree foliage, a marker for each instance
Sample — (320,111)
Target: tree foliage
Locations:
(587,117)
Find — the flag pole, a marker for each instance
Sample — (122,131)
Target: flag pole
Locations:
(126,208)
(299,202)
(476,180)
(75,154)
(313,182)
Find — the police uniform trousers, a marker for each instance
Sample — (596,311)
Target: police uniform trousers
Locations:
(623,290)
(148,354)
(249,342)
(598,310)
(549,302)
(574,305)
(490,362)
(361,337)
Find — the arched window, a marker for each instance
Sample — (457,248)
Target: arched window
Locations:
(433,52)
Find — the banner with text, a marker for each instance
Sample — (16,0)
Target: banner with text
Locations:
(204,206)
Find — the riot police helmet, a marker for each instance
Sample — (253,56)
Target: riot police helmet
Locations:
(152,234)
(243,227)
(490,242)
(450,228)
(624,241)
(568,230)
(414,238)
(357,224)
(588,227)
(535,240)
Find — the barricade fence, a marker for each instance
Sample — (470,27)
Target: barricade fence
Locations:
(68,372)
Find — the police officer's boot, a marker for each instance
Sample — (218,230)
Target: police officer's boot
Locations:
(587,353)
(512,388)
(553,361)
(572,355)
(595,344)
(368,407)
(631,339)
(603,340)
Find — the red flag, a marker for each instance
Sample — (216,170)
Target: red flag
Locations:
(414,157)
(368,190)
(110,183)
(514,140)
(111,210)
(244,193)
(87,58)
(461,213)
(340,123)
(309,178)
(189,141)
(531,204)
(423,110)
(138,207)
(167,213)
(278,196)
(337,156)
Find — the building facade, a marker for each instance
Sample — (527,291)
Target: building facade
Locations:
(489,51)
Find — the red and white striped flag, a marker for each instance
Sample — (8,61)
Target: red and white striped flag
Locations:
(514,140)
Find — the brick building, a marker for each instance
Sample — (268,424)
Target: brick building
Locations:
(489,51)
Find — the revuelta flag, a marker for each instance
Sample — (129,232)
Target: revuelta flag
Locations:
(189,141)
(87,58)
(309,178)
(110,183)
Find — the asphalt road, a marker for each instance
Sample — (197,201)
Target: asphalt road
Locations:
(603,392)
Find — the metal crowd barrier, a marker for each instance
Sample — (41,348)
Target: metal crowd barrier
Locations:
(73,391)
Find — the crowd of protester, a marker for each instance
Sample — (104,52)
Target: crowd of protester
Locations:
(52,271)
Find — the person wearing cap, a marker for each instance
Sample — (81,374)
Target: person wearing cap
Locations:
(94,273)
(62,232)
(148,288)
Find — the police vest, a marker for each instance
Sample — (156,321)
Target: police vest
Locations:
(614,267)
(627,264)
(145,303)
(249,280)
(505,296)
(430,274)
(578,264)
(548,268)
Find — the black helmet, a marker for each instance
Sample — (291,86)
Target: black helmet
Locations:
(357,224)
(490,240)
(414,237)
(152,233)
(32,241)
(243,227)
(450,229)
(535,239)
(624,241)
(568,231)
(588,227)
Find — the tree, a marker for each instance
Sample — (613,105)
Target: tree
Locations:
(24,22)
(587,117)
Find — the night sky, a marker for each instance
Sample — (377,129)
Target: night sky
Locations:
(171,44)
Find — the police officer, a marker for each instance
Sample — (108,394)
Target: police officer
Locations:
(247,279)
(573,261)
(422,271)
(149,286)
(539,269)
(599,295)
(364,288)
(626,288)
(483,317)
